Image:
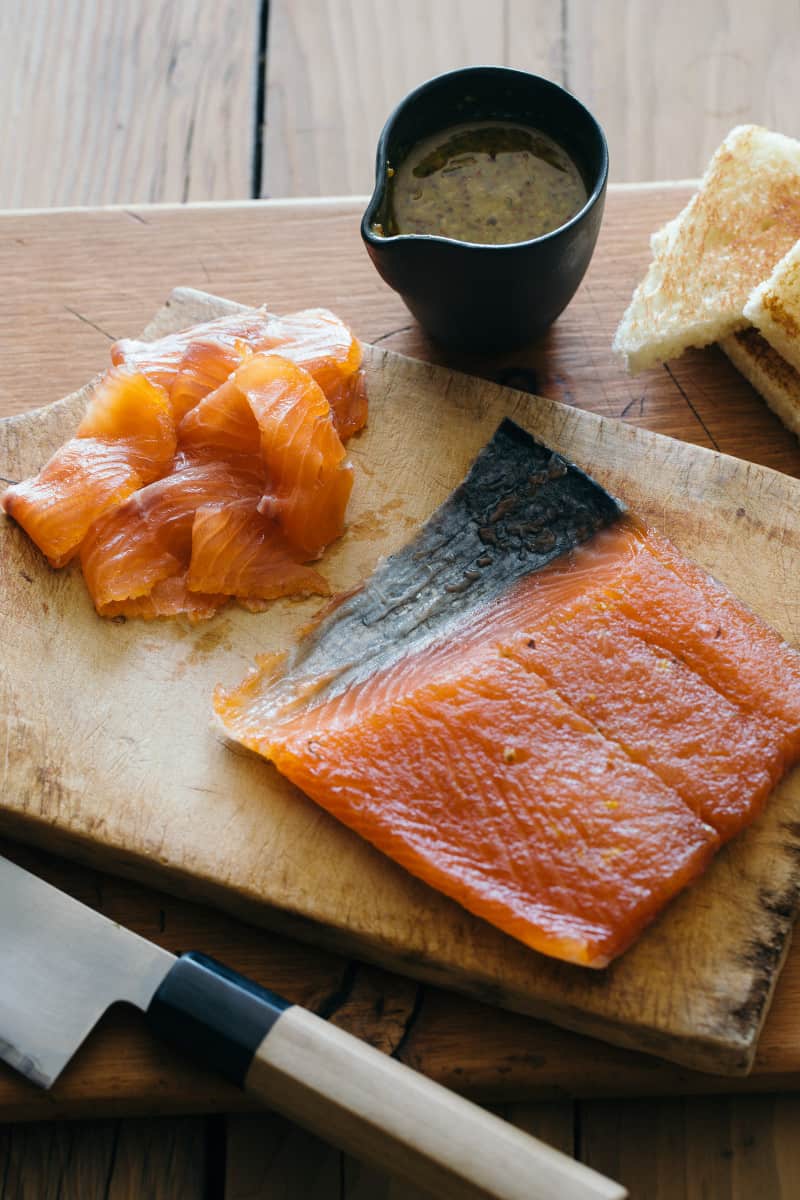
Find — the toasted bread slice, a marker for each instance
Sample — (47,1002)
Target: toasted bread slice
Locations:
(772,376)
(774,307)
(708,259)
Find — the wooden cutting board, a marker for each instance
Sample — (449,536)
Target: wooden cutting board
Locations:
(109,755)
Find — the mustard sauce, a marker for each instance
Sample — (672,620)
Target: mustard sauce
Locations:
(488,182)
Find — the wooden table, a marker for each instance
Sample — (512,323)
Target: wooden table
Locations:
(154,102)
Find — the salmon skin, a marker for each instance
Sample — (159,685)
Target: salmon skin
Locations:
(517,708)
(520,507)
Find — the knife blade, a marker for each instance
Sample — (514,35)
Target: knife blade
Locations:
(66,964)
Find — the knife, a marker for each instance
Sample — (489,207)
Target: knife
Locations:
(66,964)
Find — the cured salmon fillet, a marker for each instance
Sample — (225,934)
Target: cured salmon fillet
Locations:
(539,707)
(206,466)
(487,785)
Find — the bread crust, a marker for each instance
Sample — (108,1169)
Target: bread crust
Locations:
(707,260)
(774,307)
(770,374)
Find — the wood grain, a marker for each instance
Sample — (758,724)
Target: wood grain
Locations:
(116,1160)
(686,1149)
(109,103)
(668,84)
(268,1157)
(536,39)
(214,823)
(336,70)
(666,100)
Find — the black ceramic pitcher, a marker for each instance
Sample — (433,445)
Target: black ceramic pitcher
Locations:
(488,297)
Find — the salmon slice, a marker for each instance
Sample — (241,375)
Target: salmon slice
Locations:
(128,407)
(718,636)
(196,361)
(148,538)
(302,339)
(126,438)
(205,366)
(169,597)
(220,425)
(349,404)
(656,708)
(486,785)
(161,360)
(237,551)
(83,479)
(273,408)
(309,482)
(321,344)
(537,706)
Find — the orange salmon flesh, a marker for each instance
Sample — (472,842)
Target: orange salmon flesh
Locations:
(565,761)
(209,466)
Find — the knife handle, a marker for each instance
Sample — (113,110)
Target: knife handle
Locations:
(357,1097)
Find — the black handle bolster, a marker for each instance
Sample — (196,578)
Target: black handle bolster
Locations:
(214,1015)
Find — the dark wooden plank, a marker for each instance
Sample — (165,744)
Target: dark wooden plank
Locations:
(104,1160)
(691,1149)
(270,1158)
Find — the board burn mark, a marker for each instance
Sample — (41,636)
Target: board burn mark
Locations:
(410,1024)
(338,998)
(763,955)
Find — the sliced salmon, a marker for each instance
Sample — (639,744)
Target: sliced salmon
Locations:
(324,346)
(220,425)
(655,707)
(205,366)
(160,360)
(82,480)
(274,409)
(349,404)
(126,438)
(169,597)
(749,663)
(148,538)
(239,552)
(484,783)
(308,480)
(128,407)
(195,362)
(172,408)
